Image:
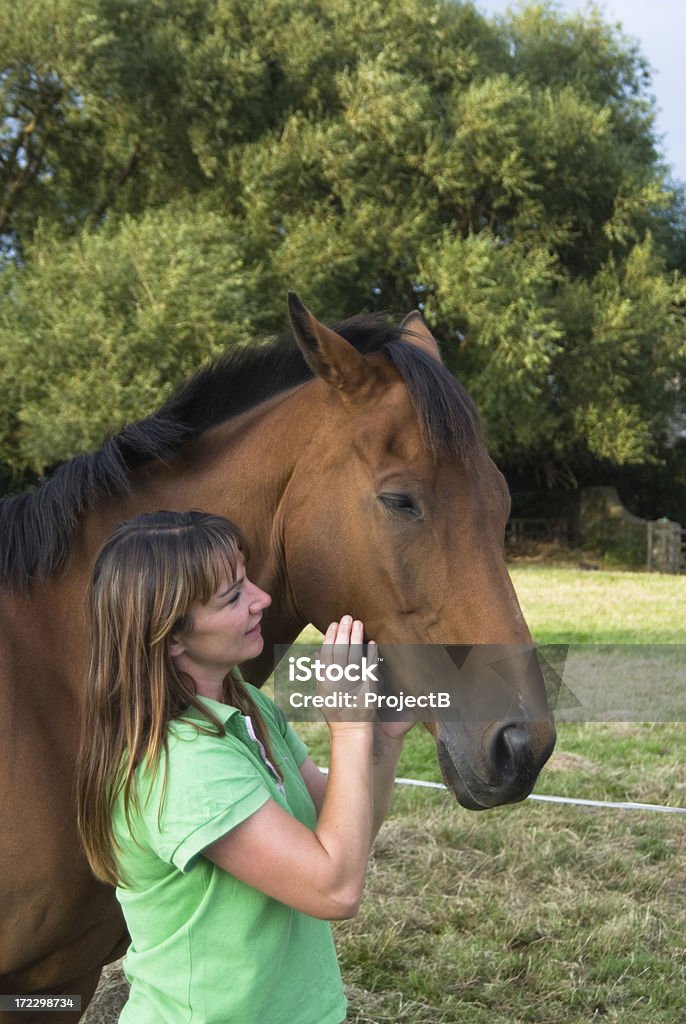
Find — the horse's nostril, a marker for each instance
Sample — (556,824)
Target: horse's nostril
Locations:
(503,757)
(512,750)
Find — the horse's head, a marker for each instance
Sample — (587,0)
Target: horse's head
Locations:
(397,515)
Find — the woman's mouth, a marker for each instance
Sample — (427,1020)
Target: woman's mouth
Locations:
(255,631)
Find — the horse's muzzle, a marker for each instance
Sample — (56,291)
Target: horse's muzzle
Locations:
(500,766)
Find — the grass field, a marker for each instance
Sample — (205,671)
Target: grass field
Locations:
(565,605)
(537,913)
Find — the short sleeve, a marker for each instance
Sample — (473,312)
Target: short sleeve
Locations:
(212,786)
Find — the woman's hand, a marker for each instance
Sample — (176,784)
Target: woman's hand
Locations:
(343,650)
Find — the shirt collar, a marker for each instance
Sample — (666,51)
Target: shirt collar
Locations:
(221,711)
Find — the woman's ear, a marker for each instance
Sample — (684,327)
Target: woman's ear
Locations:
(175,646)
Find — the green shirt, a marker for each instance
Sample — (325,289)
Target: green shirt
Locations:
(205,947)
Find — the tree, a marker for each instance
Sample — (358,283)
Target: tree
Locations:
(131,310)
(505,174)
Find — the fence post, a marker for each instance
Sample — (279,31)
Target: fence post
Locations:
(665,549)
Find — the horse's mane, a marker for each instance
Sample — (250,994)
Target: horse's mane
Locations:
(37,527)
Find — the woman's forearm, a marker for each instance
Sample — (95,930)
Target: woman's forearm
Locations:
(345,824)
(386,754)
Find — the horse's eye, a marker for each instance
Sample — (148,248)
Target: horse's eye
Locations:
(400,505)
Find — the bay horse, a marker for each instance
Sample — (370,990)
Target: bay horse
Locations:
(354,463)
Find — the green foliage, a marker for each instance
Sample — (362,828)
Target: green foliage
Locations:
(169,169)
(103,327)
(618,543)
(507,337)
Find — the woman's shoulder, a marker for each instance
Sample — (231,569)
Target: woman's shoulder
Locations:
(208,719)
(196,724)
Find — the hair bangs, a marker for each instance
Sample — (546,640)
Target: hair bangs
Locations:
(201,555)
(214,562)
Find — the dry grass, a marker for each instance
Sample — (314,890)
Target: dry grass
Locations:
(109,998)
(534,914)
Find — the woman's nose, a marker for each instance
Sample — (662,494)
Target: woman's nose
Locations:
(261,599)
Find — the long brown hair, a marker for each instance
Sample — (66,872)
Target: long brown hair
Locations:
(145,581)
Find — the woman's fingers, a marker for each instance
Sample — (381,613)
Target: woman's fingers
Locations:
(346,674)
(372,654)
(331,632)
(326,653)
(343,643)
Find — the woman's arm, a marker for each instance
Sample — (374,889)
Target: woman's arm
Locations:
(315,780)
(320,872)
(386,752)
(388,745)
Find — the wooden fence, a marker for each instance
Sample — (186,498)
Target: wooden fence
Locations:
(546,530)
(665,541)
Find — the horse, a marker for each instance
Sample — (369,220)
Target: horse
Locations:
(355,464)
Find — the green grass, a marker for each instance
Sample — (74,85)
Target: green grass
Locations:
(529,914)
(538,913)
(573,606)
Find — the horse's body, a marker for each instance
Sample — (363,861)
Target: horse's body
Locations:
(363,489)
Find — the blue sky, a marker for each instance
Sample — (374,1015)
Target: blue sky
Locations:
(660,28)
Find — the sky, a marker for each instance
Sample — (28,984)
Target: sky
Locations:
(660,28)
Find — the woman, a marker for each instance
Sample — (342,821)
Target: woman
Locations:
(230,850)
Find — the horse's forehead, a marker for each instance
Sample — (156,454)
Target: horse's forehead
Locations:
(389,406)
(393,406)
(388,427)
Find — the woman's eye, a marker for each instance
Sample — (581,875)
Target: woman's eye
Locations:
(232,600)
(400,505)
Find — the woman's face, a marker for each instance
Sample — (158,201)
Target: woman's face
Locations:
(225,631)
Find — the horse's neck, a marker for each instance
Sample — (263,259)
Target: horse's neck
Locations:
(241,469)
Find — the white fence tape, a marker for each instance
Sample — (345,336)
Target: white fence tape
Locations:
(566,799)
(577,801)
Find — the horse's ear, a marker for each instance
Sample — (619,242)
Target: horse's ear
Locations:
(328,354)
(414,331)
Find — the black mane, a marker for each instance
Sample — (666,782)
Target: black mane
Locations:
(38,526)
